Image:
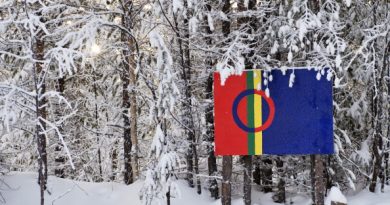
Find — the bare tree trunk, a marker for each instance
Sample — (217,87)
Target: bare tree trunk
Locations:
(129,98)
(280,195)
(168,195)
(125,77)
(266,175)
(317,179)
(386,65)
(211,159)
(59,157)
(114,161)
(256,172)
(131,61)
(328,176)
(196,167)
(100,177)
(386,118)
(247,180)
(191,140)
(227,164)
(40,105)
(378,102)
(375,145)
(188,93)
(377,161)
(133,111)
(128,175)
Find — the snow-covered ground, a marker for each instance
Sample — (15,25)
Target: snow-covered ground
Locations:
(25,191)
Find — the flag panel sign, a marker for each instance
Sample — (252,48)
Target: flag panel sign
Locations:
(292,120)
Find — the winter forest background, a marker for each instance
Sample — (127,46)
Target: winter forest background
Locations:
(121,90)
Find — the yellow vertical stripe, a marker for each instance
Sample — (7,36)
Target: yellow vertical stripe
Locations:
(258,114)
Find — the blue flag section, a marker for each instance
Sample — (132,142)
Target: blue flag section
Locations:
(303,122)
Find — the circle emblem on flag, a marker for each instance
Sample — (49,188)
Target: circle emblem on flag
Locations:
(271,107)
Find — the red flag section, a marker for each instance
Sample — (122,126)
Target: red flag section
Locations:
(231,139)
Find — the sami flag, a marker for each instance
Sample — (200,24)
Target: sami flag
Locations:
(291,120)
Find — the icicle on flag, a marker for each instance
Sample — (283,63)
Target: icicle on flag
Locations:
(293,119)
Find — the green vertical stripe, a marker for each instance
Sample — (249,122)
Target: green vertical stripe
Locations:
(250,113)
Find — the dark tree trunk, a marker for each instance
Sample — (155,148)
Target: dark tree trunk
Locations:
(168,195)
(386,168)
(196,167)
(59,156)
(100,177)
(247,180)
(40,105)
(377,145)
(378,103)
(377,162)
(317,179)
(266,175)
(191,140)
(227,164)
(386,66)
(114,161)
(192,157)
(211,159)
(128,175)
(130,97)
(125,77)
(133,100)
(257,172)
(385,117)
(133,113)
(328,177)
(280,195)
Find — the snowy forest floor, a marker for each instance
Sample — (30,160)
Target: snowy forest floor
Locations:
(24,190)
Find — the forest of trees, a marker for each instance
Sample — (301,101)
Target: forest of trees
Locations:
(122,90)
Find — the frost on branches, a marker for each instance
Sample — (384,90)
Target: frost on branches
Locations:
(164,162)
